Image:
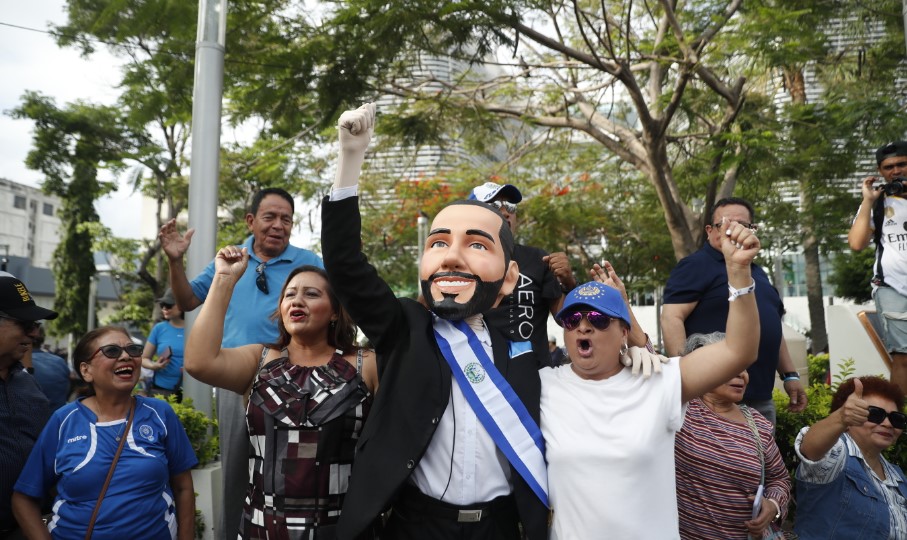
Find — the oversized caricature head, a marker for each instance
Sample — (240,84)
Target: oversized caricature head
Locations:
(467,264)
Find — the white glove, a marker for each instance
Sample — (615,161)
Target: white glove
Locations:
(355,128)
(639,357)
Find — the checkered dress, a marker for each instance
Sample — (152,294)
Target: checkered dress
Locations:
(303,426)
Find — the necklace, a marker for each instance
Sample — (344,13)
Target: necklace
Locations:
(122,429)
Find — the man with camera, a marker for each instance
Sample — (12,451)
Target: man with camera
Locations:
(882,219)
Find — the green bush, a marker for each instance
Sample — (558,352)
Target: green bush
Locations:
(196,424)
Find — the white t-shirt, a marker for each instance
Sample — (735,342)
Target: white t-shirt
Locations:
(894,244)
(610,451)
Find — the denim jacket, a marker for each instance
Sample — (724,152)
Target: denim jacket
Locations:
(847,508)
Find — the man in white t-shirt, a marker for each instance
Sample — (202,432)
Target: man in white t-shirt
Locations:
(882,219)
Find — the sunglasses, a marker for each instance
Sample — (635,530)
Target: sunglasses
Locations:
(114,351)
(751,226)
(26,326)
(509,206)
(877,415)
(599,321)
(261,281)
(166,306)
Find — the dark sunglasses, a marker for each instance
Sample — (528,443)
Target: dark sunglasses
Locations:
(751,226)
(26,326)
(114,351)
(599,321)
(509,206)
(877,415)
(166,306)
(261,281)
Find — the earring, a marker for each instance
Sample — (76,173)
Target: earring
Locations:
(624,349)
(333,325)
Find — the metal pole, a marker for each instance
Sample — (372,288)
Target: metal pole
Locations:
(92,301)
(422,229)
(904,16)
(205,169)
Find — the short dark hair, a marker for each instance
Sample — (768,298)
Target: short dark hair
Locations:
(262,193)
(872,386)
(504,233)
(727,201)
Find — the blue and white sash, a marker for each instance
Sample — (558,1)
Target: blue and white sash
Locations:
(495,403)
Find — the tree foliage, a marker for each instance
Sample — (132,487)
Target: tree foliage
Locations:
(70,146)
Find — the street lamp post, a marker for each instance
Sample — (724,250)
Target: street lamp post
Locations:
(422,230)
(205,164)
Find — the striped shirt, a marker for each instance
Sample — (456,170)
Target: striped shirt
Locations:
(718,468)
(827,470)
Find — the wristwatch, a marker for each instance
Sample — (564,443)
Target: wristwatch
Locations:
(790,376)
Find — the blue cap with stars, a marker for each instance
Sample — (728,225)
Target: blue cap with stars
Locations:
(597,297)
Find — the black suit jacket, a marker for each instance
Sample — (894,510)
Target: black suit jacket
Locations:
(415,380)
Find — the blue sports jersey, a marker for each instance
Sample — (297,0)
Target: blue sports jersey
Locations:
(74,453)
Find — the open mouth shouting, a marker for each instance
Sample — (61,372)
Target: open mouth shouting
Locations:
(297,315)
(125,371)
(584,347)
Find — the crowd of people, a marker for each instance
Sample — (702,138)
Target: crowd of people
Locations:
(462,417)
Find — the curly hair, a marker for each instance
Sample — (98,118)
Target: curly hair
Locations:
(872,386)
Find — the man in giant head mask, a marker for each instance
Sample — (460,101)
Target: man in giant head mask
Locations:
(452,444)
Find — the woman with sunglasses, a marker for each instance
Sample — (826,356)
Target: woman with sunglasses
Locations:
(150,493)
(309,395)
(167,340)
(609,436)
(846,489)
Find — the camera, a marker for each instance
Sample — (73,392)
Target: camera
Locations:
(895,187)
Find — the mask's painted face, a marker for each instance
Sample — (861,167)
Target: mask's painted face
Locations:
(464,270)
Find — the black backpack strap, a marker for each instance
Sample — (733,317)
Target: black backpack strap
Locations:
(878,220)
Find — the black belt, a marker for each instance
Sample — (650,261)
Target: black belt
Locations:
(413,500)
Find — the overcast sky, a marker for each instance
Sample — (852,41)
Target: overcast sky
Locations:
(31,60)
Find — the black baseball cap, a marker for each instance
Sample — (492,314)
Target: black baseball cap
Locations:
(17,302)
(892,149)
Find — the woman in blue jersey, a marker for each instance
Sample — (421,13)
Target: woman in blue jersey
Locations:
(166,340)
(150,495)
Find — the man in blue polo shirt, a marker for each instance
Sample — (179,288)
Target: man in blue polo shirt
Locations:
(696,302)
(248,320)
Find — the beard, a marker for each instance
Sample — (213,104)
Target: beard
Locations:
(483,298)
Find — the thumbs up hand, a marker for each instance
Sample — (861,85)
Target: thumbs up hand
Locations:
(855,410)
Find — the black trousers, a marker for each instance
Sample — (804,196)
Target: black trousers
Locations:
(416,517)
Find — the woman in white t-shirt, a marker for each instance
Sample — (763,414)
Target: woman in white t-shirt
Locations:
(609,435)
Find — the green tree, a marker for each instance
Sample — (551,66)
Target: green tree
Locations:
(649,82)
(850,53)
(156,41)
(851,274)
(70,146)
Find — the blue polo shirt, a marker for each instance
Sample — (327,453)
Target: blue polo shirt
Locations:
(248,317)
(702,278)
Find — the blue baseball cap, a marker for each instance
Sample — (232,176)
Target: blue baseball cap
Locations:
(597,297)
(489,190)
